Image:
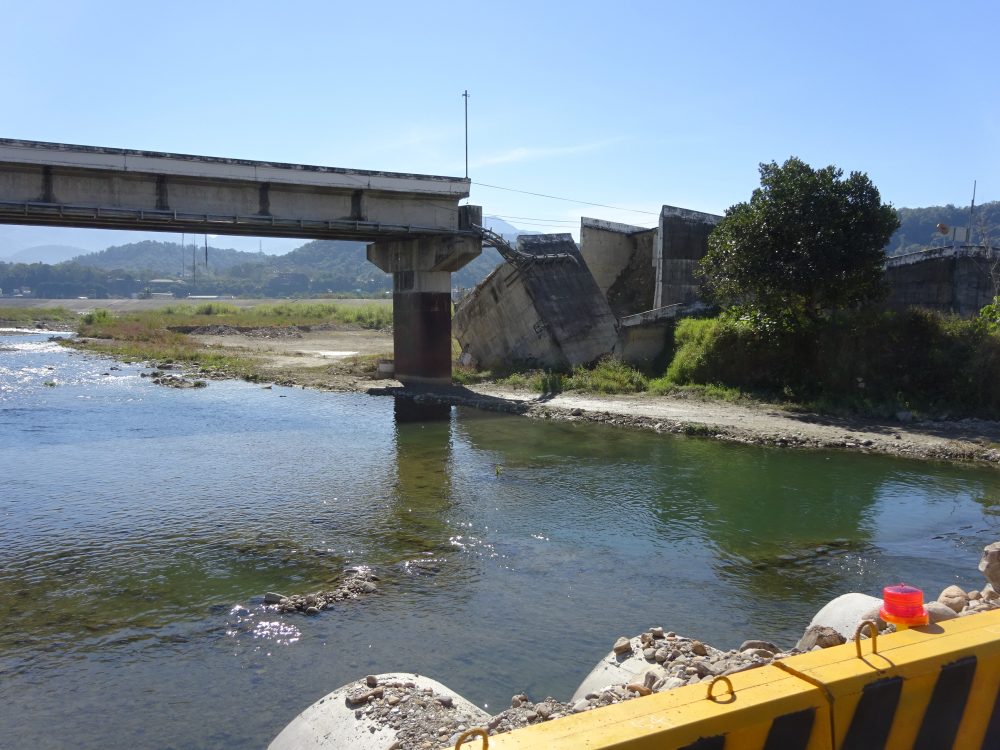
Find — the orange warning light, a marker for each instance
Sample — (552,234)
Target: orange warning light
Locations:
(903,606)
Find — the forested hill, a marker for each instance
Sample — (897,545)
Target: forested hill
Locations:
(315,267)
(349,260)
(151,258)
(918,226)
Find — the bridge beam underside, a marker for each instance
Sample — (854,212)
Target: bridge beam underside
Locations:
(113,199)
(421,302)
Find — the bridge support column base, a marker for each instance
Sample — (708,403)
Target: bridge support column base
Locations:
(421,302)
(421,324)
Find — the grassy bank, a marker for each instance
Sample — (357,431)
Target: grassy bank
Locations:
(872,363)
(156,335)
(374,315)
(28,316)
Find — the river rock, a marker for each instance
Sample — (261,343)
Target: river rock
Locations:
(954,597)
(760,653)
(622,646)
(845,613)
(764,645)
(938,612)
(820,635)
(989,564)
(272,598)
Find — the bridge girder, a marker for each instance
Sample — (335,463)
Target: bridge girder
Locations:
(54,184)
(419,232)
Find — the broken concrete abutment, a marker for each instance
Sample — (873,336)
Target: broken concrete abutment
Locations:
(556,305)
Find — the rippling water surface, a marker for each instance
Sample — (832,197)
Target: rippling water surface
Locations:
(140,527)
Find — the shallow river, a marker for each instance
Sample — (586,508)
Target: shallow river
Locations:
(140,527)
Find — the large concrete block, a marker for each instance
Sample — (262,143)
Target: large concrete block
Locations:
(331,723)
(548,314)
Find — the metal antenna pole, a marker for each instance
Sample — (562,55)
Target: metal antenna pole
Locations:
(972,207)
(465,95)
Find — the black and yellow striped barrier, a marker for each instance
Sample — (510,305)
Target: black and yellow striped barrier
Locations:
(927,688)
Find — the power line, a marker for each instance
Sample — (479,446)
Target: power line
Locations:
(536,218)
(568,200)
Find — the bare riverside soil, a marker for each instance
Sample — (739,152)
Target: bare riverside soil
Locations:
(341,357)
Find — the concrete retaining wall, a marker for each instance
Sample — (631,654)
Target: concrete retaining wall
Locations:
(955,280)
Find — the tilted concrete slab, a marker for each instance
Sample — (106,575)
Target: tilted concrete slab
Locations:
(548,314)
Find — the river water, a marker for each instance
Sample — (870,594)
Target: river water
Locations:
(140,527)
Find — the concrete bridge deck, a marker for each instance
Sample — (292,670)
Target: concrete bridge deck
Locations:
(57,184)
(417,230)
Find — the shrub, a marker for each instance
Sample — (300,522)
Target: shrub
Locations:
(873,362)
(215,308)
(609,375)
(96,317)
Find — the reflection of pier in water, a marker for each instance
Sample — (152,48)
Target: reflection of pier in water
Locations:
(416,522)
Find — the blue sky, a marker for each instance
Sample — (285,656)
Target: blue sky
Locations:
(629,104)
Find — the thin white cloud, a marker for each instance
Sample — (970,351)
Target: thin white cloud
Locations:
(528,153)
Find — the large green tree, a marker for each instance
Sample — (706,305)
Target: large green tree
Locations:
(808,241)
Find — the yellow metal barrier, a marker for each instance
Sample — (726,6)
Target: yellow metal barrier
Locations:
(936,686)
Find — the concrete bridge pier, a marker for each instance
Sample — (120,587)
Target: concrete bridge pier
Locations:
(421,301)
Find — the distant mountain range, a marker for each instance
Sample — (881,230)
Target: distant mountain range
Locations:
(50,254)
(318,267)
(15,240)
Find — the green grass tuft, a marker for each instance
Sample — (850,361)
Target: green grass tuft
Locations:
(609,375)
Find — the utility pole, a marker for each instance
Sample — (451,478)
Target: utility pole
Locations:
(465,95)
